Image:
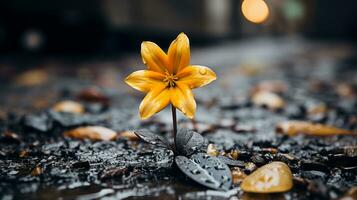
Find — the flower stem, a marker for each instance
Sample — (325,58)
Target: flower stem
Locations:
(174,123)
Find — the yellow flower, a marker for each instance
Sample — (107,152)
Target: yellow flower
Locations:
(169,78)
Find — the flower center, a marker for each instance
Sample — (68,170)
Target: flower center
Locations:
(170,80)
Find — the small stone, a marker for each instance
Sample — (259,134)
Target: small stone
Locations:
(292,128)
(275,86)
(268,99)
(94,133)
(346,90)
(93,94)
(11,137)
(69,107)
(270,178)
(23,154)
(249,167)
(234,154)
(36,171)
(237,175)
(212,150)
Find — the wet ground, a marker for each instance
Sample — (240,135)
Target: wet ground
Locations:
(317,82)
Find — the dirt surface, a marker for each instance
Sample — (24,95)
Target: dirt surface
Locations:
(317,82)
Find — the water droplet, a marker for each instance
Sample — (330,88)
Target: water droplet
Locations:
(195,171)
(203,71)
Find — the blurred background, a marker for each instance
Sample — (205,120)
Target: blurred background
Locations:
(82,27)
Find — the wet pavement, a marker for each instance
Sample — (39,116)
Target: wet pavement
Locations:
(316,81)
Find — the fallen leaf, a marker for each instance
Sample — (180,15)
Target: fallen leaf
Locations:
(206,170)
(270,178)
(69,107)
(189,142)
(268,99)
(292,128)
(94,133)
(152,138)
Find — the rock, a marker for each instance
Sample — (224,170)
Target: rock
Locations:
(212,150)
(69,107)
(269,99)
(36,171)
(39,122)
(237,175)
(270,178)
(94,133)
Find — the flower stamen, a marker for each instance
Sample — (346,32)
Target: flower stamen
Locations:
(170,80)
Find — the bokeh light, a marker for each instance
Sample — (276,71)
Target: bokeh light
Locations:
(255,11)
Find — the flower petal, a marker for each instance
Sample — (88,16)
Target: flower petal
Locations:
(182,98)
(179,54)
(153,57)
(155,100)
(196,76)
(144,80)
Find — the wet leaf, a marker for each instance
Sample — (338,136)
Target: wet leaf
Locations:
(152,138)
(206,170)
(296,127)
(94,133)
(270,178)
(189,142)
(231,162)
(69,107)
